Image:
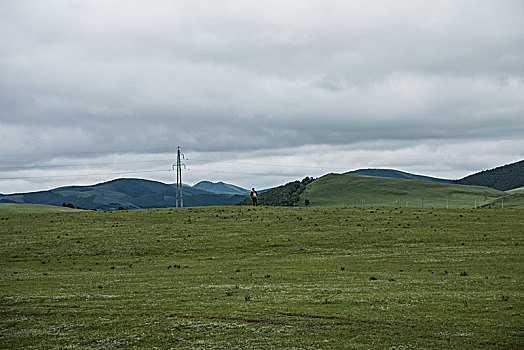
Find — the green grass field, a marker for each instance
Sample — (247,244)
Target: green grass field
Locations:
(9,208)
(245,278)
(347,190)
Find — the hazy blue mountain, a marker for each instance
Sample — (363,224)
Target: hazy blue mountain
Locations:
(220,187)
(396,174)
(126,193)
(502,178)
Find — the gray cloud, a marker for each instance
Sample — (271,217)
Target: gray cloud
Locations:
(239,77)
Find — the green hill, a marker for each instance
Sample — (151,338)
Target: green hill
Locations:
(502,178)
(358,190)
(126,193)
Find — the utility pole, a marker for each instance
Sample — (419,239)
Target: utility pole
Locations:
(176,198)
(179,165)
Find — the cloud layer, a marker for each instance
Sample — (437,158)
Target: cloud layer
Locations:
(242,80)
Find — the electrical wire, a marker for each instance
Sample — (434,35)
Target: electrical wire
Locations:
(214,171)
(265,164)
(81,175)
(156,150)
(85,164)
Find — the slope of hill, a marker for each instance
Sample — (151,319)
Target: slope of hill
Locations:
(396,174)
(502,178)
(516,190)
(509,201)
(220,187)
(126,193)
(358,190)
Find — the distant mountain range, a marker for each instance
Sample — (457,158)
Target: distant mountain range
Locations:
(125,193)
(139,194)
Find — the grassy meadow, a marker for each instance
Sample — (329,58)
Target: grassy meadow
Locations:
(266,277)
(12,208)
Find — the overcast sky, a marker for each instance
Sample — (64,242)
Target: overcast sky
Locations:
(257,93)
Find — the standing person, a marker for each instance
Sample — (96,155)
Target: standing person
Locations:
(253,196)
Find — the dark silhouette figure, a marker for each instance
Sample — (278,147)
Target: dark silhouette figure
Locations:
(253,196)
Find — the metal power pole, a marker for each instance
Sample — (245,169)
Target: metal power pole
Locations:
(180,172)
(176,200)
(179,178)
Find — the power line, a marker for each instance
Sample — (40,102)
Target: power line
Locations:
(85,164)
(238,172)
(214,171)
(87,152)
(170,149)
(162,160)
(264,164)
(78,175)
(198,160)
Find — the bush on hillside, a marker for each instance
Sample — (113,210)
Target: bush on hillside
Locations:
(286,195)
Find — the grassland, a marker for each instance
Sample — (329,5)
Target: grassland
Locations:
(241,278)
(10,208)
(347,190)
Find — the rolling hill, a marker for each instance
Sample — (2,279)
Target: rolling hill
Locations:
(396,174)
(126,193)
(359,190)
